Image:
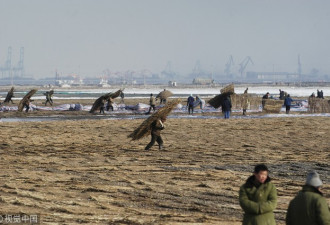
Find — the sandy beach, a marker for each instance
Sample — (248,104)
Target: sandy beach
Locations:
(88,172)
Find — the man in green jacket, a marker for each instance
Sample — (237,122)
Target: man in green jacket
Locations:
(258,198)
(309,207)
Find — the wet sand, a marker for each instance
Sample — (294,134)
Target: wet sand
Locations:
(88,172)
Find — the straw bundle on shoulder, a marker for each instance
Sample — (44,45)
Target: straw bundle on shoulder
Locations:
(116,94)
(228,89)
(25,98)
(272,105)
(145,128)
(216,102)
(164,94)
(10,94)
(97,104)
(49,93)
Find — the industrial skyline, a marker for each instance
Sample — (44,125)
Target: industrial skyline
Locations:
(89,37)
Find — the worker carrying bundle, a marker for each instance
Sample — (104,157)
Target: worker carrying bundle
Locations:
(153,125)
(9,96)
(218,100)
(105,98)
(25,102)
(163,96)
(49,95)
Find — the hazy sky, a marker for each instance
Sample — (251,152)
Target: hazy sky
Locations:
(89,36)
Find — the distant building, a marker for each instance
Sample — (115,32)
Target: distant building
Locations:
(203,81)
(172,83)
(272,76)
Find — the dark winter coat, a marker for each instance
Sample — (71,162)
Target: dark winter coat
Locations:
(258,202)
(309,207)
(156,127)
(190,101)
(226,105)
(265,96)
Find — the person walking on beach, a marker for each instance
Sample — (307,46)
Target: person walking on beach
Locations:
(258,198)
(26,104)
(156,127)
(226,107)
(309,207)
(190,104)
(287,103)
(245,101)
(122,96)
(49,98)
(200,102)
(110,104)
(9,96)
(102,107)
(152,103)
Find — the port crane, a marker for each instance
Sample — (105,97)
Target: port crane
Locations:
(243,65)
(228,66)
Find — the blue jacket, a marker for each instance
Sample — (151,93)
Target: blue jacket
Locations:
(287,101)
(190,100)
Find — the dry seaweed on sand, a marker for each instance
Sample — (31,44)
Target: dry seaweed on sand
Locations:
(145,128)
(272,105)
(164,94)
(25,98)
(10,94)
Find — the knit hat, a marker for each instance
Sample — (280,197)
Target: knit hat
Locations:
(313,179)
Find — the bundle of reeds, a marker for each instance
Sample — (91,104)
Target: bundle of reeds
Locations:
(239,101)
(25,99)
(10,94)
(164,94)
(145,128)
(318,105)
(216,102)
(49,93)
(250,101)
(228,89)
(116,94)
(98,102)
(272,105)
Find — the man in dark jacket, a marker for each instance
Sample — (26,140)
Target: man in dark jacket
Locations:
(287,103)
(26,104)
(309,207)
(190,104)
(226,107)
(282,97)
(110,104)
(258,198)
(266,96)
(156,127)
